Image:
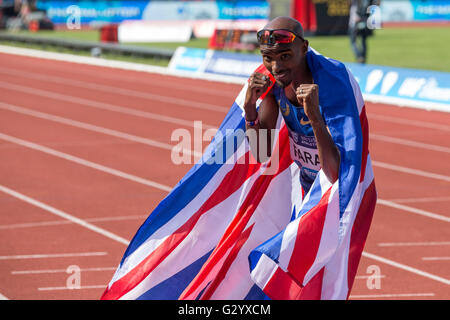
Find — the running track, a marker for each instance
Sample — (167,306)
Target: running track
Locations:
(86,155)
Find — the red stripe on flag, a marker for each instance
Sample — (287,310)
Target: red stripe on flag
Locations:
(365,145)
(236,227)
(262,69)
(360,230)
(227,264)
(282,286)
(309,234)
(232,182)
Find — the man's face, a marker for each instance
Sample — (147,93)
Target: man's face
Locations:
(283,60)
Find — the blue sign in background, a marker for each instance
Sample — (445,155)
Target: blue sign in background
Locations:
(189,59)
(232,64)
(431,10)
(415,10)
(405,84)
(107,11)
(120,10)
(243,9)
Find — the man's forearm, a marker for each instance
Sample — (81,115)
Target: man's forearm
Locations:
(259,136)
(329,155)
(250,111)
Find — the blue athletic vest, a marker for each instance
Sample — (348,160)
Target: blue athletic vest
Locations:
(301,138)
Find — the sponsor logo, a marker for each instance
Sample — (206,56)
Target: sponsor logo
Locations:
(304,122)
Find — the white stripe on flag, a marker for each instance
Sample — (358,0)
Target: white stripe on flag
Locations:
(329,239)
(192,247)
(263,271)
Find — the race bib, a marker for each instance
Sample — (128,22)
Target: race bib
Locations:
(304,151)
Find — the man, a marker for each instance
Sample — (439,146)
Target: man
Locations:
(357,27)
(233,229)
(317,254)
(284,50)
(7,8)
(15,13)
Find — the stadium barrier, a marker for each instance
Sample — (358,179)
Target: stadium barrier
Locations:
(79,45)
(423,89)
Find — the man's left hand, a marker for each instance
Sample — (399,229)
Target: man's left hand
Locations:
(308,96)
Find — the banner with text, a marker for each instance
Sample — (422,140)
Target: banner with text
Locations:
(415,10)
(416,88)
(90,11)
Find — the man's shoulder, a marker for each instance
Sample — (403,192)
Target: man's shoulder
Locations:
(320,62)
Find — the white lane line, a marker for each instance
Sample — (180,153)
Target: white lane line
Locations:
(100,286)
(413,210)
(406,268)
(62,222)
(416,172)
(390,295)
(167,188)
(115,64)
(166,71)
(409,143)
(112,171)
(194,104)
(40,148)
(110,107)
(53,255)
(402,102)
(414,244)
(417,123)
(64,215)
(43,271)
(3,297)
(435,258)
(424,199)
(165,146)
(126,242)
(371,277)
(84,162)
(178,121)
(91,127)
(386,118)
(163,118)
(120,78)
(117,90)
(100,105)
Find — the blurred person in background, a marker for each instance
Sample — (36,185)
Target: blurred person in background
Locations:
(22,6)
(14,13)
(23,14)
(7,11)
(358,28)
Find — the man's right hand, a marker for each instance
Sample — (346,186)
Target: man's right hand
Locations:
(258,84)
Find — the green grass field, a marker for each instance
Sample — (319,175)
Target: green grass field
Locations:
(416,47)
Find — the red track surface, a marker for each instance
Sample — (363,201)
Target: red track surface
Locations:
(410,247)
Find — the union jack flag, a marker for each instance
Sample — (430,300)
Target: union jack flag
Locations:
(233,228)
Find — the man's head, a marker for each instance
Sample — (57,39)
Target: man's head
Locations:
(283,48)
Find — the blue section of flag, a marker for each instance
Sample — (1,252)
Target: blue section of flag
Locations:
(314,198)
(340,111)
(172,288)
(193,182)
(256,293)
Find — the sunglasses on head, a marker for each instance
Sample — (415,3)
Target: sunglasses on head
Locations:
(272,37)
